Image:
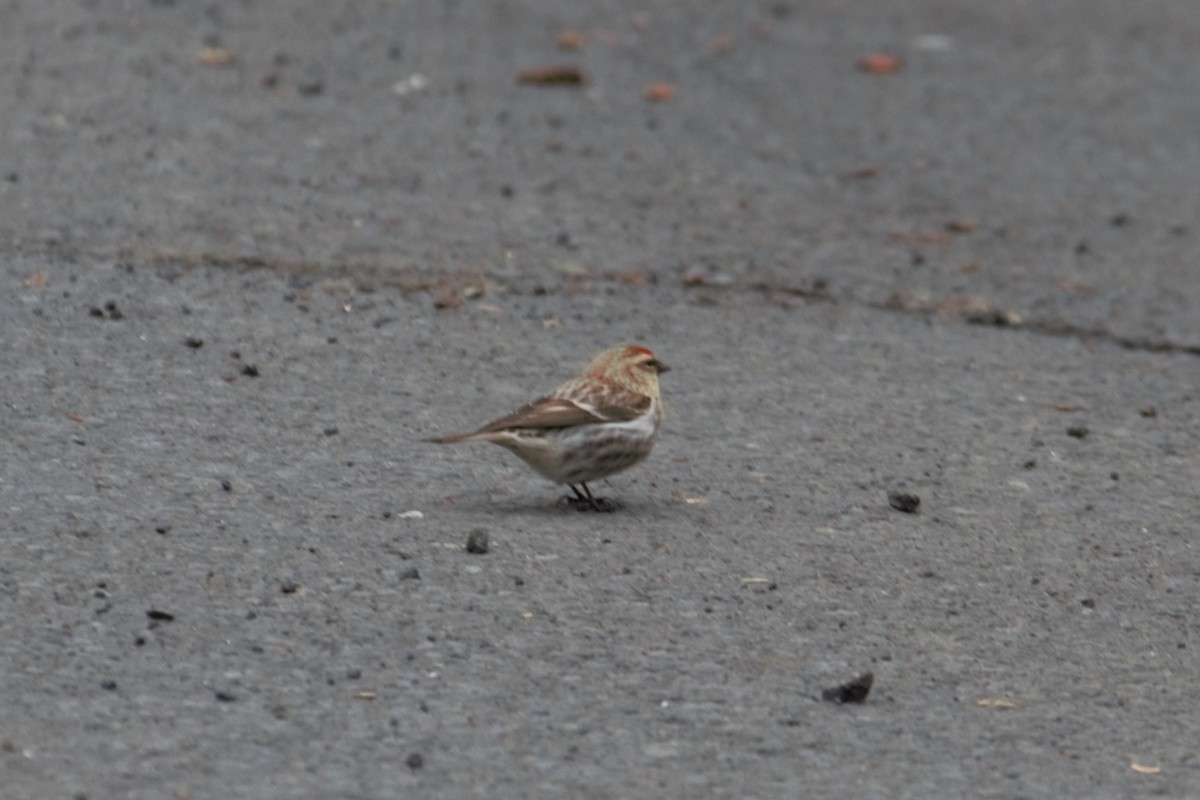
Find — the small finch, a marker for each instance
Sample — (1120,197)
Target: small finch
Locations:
(604,421)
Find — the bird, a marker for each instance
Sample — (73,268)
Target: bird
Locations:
(595,425)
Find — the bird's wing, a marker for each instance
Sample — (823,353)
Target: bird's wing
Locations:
(560,412)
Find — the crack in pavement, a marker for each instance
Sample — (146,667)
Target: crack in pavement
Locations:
(412,280)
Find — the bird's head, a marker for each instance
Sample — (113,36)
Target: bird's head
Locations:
(630,366)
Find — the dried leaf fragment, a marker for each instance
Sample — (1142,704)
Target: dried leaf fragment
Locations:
(996,703)
(453,290)
(980,310)
(215,57)
(861,171)
(635,278)
(562,75)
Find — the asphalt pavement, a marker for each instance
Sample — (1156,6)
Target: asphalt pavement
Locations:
(926,276)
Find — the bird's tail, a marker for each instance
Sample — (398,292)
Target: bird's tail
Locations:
(457,438)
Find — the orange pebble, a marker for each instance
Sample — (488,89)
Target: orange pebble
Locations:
(660,92)
(880,64)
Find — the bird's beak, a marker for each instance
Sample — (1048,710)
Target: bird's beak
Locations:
(662,368)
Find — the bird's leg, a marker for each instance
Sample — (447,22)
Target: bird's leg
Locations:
(583,500)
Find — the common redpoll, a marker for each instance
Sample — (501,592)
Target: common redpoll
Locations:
(604,421)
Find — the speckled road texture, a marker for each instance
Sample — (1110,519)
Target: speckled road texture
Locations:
(253,253)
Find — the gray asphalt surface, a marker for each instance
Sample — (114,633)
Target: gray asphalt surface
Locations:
(242,283)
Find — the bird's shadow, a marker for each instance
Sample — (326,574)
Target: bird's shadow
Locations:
(563,506)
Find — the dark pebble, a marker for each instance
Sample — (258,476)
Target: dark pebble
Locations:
(854,691)
(109,685)
(330,431)
(410,574)
(1078,431)
(194,342)
(415,761)
(288,586)
(226,485)
(250,370)
(224,696)
(477,541)
(160,616)
(904,501)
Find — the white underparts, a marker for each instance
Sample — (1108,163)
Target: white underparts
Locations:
(584,452)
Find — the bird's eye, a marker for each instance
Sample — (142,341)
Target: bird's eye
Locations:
(651,364)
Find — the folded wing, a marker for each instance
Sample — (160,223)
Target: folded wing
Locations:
(548,413)
(559,412)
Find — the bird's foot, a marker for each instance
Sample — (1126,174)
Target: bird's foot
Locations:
(601,504)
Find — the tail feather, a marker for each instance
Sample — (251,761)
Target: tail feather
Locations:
(455,439)
(461,438)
